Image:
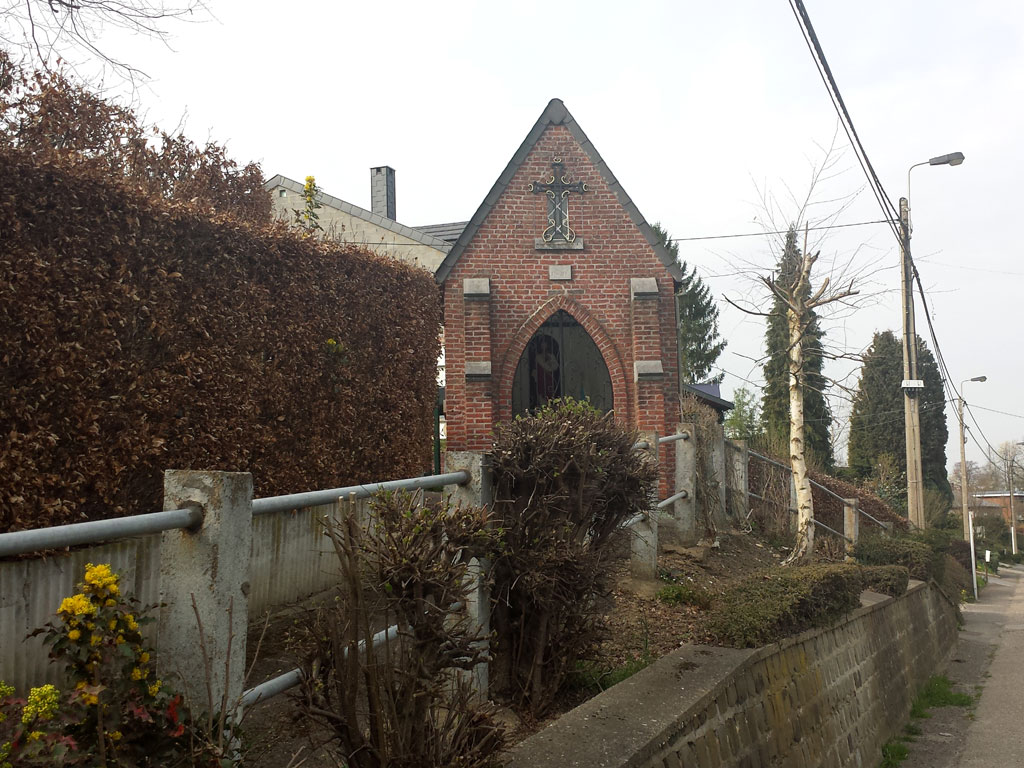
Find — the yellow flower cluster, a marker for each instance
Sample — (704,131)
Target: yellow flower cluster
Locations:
(154,689)
(90,699)
(42,703)
(100,580)
(6,690)
(77,605)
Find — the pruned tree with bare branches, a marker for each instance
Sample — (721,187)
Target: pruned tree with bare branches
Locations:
(795,294)
(70,30)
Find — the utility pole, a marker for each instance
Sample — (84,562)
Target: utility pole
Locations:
(911,384)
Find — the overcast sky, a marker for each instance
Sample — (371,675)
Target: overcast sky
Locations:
(700,109)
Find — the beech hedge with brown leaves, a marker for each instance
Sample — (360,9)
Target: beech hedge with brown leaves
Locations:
(139,334)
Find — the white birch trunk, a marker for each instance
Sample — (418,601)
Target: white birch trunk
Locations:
(804,546)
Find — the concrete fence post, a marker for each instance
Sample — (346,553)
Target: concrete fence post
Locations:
(204,588)
(477,493)
(738,479)
(684,511)
(718,467)
(851,526)
(643,543)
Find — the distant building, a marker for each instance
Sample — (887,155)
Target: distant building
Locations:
(375,229)
(999,501)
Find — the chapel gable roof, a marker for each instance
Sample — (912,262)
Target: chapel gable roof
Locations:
(555,114)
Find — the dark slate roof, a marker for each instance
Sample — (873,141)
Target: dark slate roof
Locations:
(361,213)
(710,393)
(555,114)
(447,232)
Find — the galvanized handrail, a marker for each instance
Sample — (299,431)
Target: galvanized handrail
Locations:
(292,501)
(817,485)
(833,530)
(289,680)
(95,531)
(643,445)
(672,499)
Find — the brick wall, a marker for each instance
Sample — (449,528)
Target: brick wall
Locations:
(496,328)
(828,698)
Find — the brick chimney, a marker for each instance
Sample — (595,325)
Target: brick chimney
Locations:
(382,191)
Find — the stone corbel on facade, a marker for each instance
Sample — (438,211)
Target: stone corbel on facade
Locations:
(479,370)
(648,370)
(641,288)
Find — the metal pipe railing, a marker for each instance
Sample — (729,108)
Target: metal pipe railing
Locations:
(289,680)
(830,529)
(817,485)
(95,531)
(672,499)
(292,501)
(684,435)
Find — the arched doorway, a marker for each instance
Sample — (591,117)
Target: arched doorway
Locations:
(561,360)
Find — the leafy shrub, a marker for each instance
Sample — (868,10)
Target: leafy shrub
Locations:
(685,594)
(960,551)
(780,602)
(116,711)
(138,334)
(916,556)
(401,703)
(886,579)
(565,479)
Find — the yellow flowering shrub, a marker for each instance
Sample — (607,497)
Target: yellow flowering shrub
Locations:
(115,700)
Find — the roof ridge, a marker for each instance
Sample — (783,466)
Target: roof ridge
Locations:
(555,113)
(279,180)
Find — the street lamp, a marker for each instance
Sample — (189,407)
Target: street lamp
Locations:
(968,519)
(911,384)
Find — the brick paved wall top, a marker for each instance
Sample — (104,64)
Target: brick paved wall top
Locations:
(828,698)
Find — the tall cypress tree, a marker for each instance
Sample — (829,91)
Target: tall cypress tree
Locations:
(877,420)
(697,315)
(775,400)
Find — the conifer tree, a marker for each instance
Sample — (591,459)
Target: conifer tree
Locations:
(775,413)
(877,420)
(697,316)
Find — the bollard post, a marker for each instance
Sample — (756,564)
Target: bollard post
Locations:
(643,543)
(477,493)
(204,588)
(851,526)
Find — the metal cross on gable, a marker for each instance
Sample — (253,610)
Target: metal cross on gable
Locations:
(557,190)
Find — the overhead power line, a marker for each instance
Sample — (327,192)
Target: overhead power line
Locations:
(825,72)
(777,232)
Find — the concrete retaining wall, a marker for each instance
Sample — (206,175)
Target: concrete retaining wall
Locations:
(825,698)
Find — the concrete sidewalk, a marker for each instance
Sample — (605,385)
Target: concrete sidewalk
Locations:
(953,737)
(995,736)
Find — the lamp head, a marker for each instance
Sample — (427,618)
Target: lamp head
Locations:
(980,378)
(955,158)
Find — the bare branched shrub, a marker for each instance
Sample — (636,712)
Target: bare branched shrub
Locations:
(565,480)
(399,702)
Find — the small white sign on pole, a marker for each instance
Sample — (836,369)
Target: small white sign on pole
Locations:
(988,555)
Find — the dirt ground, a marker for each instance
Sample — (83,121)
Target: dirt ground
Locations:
(640,628)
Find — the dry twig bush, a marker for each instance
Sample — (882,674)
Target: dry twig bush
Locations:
(565,479)
(402,703)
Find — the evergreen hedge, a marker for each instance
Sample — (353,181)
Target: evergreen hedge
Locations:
(780,602)
(138,334)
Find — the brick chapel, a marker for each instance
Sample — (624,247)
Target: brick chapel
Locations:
(558,287)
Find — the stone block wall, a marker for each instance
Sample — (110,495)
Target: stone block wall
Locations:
(828,698)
